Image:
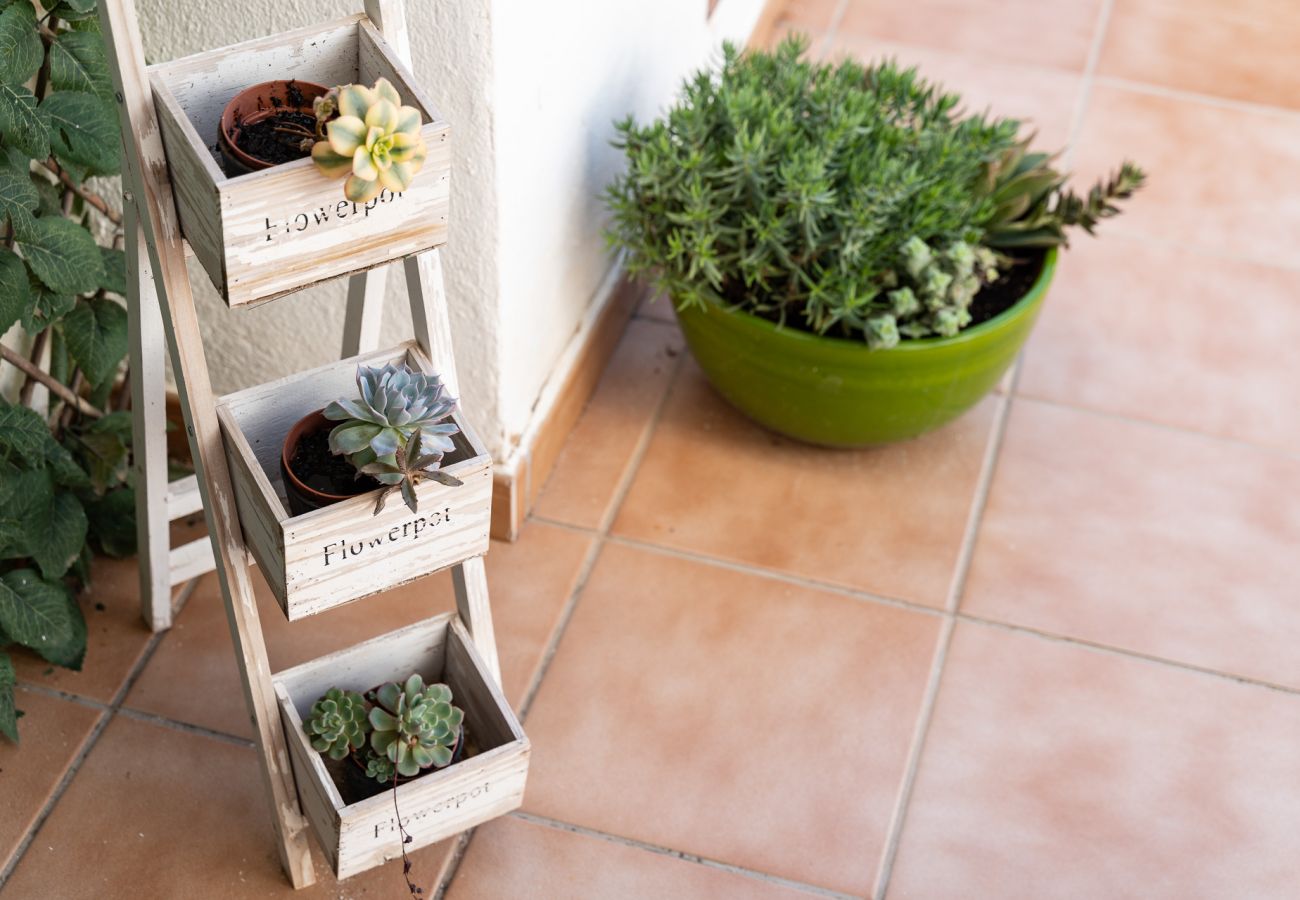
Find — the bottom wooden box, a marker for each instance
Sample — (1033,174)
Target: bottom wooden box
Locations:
(361,835)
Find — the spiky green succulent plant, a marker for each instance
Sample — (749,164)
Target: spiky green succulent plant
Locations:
(338,723)
(374,140)
(411,466)
(414,726)
(1032,206)
(394,404)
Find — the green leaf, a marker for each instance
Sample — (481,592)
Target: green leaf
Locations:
(15,294)
(75,9)
(58,534)
(24,124)
(34,612)
(106,452)
(21,51)
(17,192)
(24,436)
(9,715)
(112,521)
(84,131)
(62,254)
(97,339)
(114,280)
(70,653)
(78,63)
(46,308)
(25,497)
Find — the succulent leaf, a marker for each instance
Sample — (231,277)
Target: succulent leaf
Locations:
(337,723)
(371,138)
(415,727)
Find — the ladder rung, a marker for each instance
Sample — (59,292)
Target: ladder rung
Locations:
(183,498)
(191,560)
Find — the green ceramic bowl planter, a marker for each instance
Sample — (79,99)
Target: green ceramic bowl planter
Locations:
(903,244)
(840,392)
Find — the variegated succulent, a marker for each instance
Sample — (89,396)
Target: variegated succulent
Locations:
(338,723)
(369,136)
(395,404)
(415,727)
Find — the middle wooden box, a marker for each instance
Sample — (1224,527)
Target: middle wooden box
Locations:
(344,552)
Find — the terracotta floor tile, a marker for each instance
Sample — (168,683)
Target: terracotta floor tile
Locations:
(115,636)
(51,735)
(656,719)
(1244,50)
(657,307)
(1055,33)
(512,857)
(1138,329)
(811,17)
(1136,536)
(1051,771)
(887,520)
(529,581)
(600,448)
(1044,99)
(155,812)
(1215,173)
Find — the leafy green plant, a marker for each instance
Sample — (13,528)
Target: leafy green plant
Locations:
(803,192)
(369,136)
(396,430)
(415,727)
(65,475)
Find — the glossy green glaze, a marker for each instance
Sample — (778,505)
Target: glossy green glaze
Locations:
(838,392)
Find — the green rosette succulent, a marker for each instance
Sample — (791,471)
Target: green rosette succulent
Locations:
(380,768)
(374,140)
(415,727)
(393,403)
(337,723)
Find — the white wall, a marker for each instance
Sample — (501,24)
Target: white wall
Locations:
(531,89)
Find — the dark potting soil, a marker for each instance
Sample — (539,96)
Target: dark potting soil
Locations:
(277,138)
(1010,288)
(320,470)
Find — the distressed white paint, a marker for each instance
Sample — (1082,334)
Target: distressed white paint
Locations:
(530,90)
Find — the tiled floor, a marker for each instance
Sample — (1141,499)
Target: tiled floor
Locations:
(1049,651)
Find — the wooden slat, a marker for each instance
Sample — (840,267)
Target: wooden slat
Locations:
(189,561)
(470,582)
(149,429)
(365,313)
(147,186)
(183,497)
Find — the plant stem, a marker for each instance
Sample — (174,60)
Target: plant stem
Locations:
(34,373)
(90,197)
(29,383)
(411,886)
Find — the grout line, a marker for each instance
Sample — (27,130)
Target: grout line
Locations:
(92,739)
(599,537)
(676,854)
(837,19)
(787,578)
(1171,93)
(1089,77)
(979,501)
(925,715)
(186,727)
(1136,655)
(1181,430)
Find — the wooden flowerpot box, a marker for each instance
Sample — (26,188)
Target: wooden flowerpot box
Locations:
(267,233)
(436,805)
(344,552)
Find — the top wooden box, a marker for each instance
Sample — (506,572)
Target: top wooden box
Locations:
(268,233)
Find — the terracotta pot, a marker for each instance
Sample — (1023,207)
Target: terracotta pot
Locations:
(253,104)
(304,499)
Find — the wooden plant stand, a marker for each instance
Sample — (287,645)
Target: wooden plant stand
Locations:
(262,236)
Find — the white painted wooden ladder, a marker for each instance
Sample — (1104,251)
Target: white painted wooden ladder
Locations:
(163,319)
